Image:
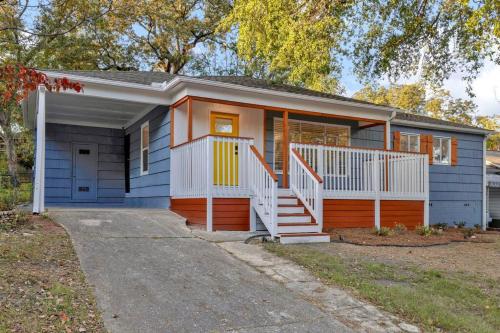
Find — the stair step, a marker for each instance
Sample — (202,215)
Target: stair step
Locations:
(284,192)
(290,209)
(289,228)
(287,201)
(294,218)
(306,237)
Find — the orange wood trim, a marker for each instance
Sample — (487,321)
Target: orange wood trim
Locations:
(430,147)
(386,144)
(318,178)
(263,162)
(356,147)
(285,149)
(215,136)
(397,141)
(275,108)
(190,119)
(172,127)
(454,151)
(180,102)
(369,126)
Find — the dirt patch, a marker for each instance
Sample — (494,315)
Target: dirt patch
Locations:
(464,257)
(409,237)
(42,288)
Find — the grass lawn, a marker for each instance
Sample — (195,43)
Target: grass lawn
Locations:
(42,288)
(436,300)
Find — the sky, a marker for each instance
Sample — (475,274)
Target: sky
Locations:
(486,87)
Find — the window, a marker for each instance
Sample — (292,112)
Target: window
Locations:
(410,142)
(145,148)
(307,132)
(442,150)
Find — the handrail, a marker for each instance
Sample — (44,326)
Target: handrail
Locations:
(307,166)
(213,136)
(307,185)
(360,148)
(264,163)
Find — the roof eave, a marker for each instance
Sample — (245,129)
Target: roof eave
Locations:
(481,131)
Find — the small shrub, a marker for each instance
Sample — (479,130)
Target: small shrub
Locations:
(442,226)
(477,226)
(45,215)
(383,231)
(400,228)
(21,218)
(424,231)
(460,224)
(469,232)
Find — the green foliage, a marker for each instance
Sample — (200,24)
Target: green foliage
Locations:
(460,224)
(468,232)
(291,41)
(400,228)
(425,231)
(382,231)
(491,123)
(442,226)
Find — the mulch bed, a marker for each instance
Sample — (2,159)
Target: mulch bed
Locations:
(409,238)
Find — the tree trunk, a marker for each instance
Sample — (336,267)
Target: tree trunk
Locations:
(10,149)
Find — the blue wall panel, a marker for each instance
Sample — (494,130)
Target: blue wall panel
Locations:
(456,192)
(153,189)
(59,163)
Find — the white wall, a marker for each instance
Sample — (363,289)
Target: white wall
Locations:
(251,121)
(180,124)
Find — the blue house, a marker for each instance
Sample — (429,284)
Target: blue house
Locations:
(231,153)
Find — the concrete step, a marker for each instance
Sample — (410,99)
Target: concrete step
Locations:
(294,218)
(290,209)
(291,228)
(296,238)
(287,200)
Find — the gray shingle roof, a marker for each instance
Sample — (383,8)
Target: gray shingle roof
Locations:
(147,78)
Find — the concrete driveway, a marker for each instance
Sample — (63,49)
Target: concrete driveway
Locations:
(150,274)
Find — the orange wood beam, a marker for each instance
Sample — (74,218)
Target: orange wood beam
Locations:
(190,118)
(285,149)
(369,126)
(275,108)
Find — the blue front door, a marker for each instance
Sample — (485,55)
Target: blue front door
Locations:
(84,172)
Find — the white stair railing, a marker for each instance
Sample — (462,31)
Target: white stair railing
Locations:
(307,185)
(264,185)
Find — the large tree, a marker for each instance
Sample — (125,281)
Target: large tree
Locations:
(166,32)
(306,41)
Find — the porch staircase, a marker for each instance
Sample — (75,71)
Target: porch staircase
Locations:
(294,223)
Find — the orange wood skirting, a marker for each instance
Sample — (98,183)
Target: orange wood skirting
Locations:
(231,214)
(194,210)
(227,213)
(407,212)
(340,213)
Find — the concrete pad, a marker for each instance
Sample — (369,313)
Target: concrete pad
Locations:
(150,274)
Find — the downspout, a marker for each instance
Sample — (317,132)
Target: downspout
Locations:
(485,183)
(388,130)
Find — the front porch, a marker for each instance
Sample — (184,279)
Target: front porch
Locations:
(339,173)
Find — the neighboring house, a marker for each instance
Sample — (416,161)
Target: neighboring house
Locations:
(232,153)
(493,186)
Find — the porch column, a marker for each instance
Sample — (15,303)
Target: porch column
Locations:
(190,119)
(39,190)
(387,128)
(285,149)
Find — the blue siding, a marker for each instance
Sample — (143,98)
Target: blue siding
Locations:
(372,137)
(153,189)
(59,163)
(456,192)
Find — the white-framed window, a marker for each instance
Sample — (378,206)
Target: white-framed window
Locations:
(410,142)
(441,150)
(145,148)
(308,132)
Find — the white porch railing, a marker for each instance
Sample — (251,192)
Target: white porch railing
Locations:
(359,173)
(264,185)
(211,166)
(307,186)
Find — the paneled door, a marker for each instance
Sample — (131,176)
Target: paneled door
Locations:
(225,153)
(84,172)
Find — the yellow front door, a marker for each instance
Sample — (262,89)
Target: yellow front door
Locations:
(225,153)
